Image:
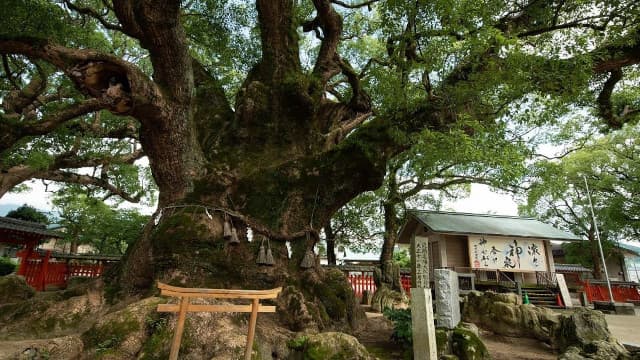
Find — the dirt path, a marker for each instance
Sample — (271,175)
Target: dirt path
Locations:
(67,347)
(510,348)
(375,335)
(625,328)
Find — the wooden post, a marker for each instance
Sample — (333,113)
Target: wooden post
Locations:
(24,258)
(44,270)
(177,337)
(252,328)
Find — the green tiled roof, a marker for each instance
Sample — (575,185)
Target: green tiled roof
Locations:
(633,249)
(482,224)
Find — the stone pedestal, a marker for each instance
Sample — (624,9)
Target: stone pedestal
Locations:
(423,327)
(447,298)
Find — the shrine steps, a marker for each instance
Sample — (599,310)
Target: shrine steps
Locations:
(542,297)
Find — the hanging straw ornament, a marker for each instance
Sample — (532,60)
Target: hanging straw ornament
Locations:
(226,229)
(262,256)
(156,220)
(308,260)
(268,260)
(234,237)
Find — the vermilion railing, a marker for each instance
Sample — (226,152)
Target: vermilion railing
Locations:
(405,280)
(42,271)
(362,282)
(620,292)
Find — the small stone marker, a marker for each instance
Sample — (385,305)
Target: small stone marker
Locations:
(564,290)
(423,327)
(447,298)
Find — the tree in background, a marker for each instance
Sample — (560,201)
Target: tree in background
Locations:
(90,221)
(439,166)
(275,116)
(357,226)
(557,193)
(402,258)
(582,253)
(29,213)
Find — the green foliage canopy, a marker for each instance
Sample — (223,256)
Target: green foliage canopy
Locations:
(90,221)
(610,164)
(29,213)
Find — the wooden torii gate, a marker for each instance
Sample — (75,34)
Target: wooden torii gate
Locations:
(184,306)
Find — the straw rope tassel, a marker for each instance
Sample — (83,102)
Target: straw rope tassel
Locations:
(269,256)
(262,256)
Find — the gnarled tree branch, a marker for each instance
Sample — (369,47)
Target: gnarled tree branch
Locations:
(93,14)
(73,178)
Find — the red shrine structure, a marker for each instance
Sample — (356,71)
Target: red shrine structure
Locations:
(42,268)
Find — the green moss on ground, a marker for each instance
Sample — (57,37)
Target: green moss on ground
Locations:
(466,345)
(105,338)
(442,341)
(327,346)
(159,334)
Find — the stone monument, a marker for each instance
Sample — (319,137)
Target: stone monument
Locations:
(447,298)
(423,327)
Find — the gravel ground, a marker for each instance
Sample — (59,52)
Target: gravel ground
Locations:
(625,328)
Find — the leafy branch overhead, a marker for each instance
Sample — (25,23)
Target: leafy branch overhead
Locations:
(284,111)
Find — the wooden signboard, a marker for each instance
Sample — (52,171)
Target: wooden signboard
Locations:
(507,254)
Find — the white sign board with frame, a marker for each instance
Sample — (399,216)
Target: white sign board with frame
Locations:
(507,254)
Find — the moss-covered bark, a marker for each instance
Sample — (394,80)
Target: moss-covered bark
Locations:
(278,162)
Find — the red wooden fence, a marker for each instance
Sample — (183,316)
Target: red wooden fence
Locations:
(361,282)
(621,293)
(41,271)
(364,281)
(405,279)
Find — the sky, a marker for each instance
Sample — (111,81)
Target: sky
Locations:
(40,199)
(481,201)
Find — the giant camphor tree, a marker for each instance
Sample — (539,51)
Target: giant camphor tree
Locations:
(275,114)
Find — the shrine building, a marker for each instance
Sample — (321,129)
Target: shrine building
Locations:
(494,248)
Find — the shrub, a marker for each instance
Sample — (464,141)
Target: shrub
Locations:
(401,319)
(7,266)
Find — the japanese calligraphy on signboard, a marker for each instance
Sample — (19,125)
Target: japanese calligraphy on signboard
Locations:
(507,254)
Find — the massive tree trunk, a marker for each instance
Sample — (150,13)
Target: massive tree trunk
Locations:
(277,164)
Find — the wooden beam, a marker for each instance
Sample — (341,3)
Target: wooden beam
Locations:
(219,293)
(215,308)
